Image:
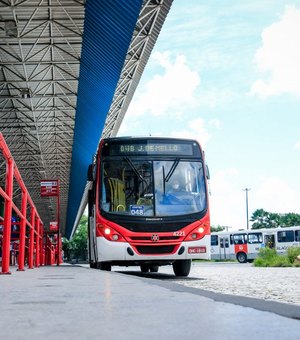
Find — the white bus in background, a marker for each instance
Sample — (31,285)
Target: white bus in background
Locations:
(244,245)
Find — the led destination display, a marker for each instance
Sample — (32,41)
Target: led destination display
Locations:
(183,149)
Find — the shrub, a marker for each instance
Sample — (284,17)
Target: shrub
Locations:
(281,261)
(292,253)
(268,257)
(259,262)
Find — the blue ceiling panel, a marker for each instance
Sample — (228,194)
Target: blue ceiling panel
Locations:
(108,29)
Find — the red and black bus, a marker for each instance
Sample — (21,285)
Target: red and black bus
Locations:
(148,204)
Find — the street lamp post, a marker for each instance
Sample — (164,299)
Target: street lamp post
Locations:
(246,190)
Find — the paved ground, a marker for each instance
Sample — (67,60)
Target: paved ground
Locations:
(271,284)
(72,302)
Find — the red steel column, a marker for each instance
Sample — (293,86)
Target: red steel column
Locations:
(58,225)
(31,239)
(22,233)
(7,217)
(42,258)
(37,244)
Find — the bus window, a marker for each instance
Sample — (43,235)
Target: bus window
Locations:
(297,235)
(285,236)
(255,238)
(240,238)
(214,240)
(270,241)
(224,242)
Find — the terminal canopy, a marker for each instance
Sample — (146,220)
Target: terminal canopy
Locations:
(68,71)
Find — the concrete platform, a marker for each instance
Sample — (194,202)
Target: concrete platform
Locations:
(73,302)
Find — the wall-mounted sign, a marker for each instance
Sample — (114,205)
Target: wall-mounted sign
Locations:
(49,188)
(53,226)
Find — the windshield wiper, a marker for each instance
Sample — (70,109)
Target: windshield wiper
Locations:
(171,171)
(169,174)
(135,170)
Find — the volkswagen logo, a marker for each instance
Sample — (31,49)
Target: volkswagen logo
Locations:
(154,237)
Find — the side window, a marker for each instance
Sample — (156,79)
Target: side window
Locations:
(285,236)
(297,235)
(214,241)
(255,238)
(240,238)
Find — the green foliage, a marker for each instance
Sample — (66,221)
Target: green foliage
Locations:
(267,253)
(289,220)
(281,261)
(268,257)
(217,228)
(292,253)
(265,257)
(264,219)
(76,248)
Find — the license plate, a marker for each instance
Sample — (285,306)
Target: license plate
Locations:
(196,250)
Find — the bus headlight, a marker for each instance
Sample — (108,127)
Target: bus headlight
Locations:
(109,233)
(196,234)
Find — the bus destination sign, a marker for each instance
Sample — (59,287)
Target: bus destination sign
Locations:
(152,149)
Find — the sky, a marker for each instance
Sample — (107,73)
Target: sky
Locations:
(227,73)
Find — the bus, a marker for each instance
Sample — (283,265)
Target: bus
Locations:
(148,204)
(244,245)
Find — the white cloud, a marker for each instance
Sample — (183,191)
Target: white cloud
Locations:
(297,145)
(195,130)
(276,195)
(227,200)
(172,91)
(279,56)
(215,123)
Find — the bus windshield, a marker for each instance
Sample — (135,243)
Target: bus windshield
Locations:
(153,188)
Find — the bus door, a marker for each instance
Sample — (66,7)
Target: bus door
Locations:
(270,241)
(224,248)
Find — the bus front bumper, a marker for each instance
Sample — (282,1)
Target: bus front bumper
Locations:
(123,251)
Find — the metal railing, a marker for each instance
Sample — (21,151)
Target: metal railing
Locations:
(22,236)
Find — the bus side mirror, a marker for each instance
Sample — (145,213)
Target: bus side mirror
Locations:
(90,174)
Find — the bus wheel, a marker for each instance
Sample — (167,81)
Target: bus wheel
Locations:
(104,266)
(93,265)
(182,267)
(154,269)
(145,268)
(241,257)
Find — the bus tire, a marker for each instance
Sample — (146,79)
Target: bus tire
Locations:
(241,257)
(104,266)
(182,267)
(93,265)
(145,268)
(154,268)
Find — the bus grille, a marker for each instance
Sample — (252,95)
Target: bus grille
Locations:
(155,249)
(148,238)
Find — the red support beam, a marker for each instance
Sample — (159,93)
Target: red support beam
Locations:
(37,244)
(31,240)
(22,232)
(42,250)
(7,216)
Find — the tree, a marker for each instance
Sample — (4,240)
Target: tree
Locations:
(76,248)
(289,220)
(217,228)
(264,219)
